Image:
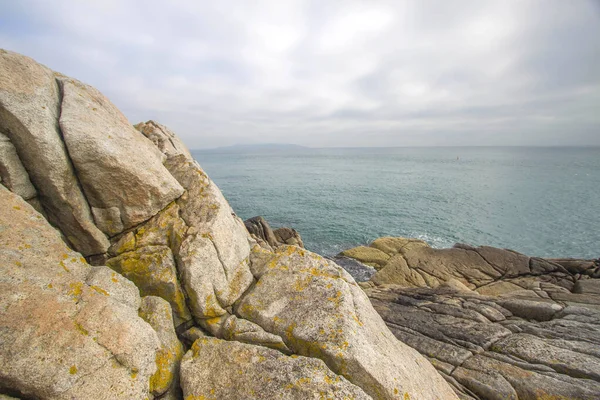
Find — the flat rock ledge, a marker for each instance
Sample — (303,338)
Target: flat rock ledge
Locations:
(495,323)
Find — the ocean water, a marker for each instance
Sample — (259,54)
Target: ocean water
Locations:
(540,201)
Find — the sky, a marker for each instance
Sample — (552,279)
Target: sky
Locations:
(325,73)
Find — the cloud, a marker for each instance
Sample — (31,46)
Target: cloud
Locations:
(331,73)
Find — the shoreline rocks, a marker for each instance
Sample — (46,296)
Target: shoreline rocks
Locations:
(261,231)
(172,264)
(495,323)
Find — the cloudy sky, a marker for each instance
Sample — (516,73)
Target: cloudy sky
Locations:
(331,73)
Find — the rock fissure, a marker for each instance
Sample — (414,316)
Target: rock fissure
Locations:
(72,167)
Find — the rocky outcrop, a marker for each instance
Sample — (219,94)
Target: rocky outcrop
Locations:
(488,270)
(261,231)
(340,329)
(495,323)
(64,331)
(29,112)
(120,171)
(143,212)
(157,312)
(230,370)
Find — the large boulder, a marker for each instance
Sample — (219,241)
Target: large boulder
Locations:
(261,231)
(341,327)
(213,259)
(120,171)
(163,138)
(218,369)
(152,269)
(30,107)
(60,337)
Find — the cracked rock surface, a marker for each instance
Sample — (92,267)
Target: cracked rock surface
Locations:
(60,337)
(495,323)
(150,222)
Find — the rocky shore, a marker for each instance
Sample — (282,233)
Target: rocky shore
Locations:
(495,323)
(124,273)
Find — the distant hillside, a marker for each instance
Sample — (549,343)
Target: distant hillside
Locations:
(256,148)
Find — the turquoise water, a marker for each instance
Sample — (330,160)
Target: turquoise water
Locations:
(539,201)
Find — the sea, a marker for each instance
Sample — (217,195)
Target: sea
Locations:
(540,201)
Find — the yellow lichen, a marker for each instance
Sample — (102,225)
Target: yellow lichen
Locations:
(162,378)
(62,264)
(99,290)
(76,288)
(73,370)
(81,329)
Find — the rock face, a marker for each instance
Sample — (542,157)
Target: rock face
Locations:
(144,213)
(261,231)
(29,112)
(62,337)
(496,324)
(229,370)
(340,328)
(157,312)
(120,171)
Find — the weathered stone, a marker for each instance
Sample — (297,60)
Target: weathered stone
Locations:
(259,227)
(152,269)
(12,173)
(587,286)
(115,285)
(164,229)
(573,265)
(493,379)
(367,255)
(499,288)
(120,170)
(213,258)
(395,245)
(288,236)
(531,310)
(29,110)
(539,351)
(412,263)
(244,331)
(163,138)
(229,370)
(191,335)
(397,272)
(157,312)
(341,328)
(63,339)
(542,351)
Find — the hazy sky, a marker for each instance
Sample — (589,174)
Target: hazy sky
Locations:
(331,73)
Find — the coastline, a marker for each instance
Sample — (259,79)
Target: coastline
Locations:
(126,274)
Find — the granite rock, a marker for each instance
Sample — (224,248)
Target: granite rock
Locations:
(218,369)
